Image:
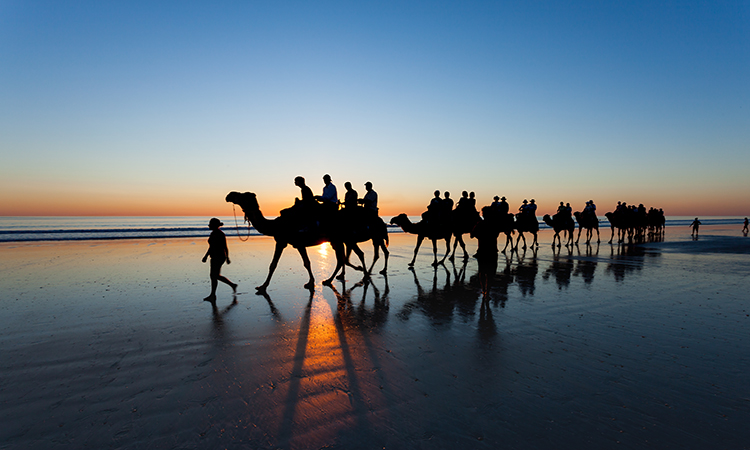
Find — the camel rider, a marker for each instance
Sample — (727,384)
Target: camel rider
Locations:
(307,195)
(463,202)
(531,208)
(568,210)
(561,208)
(330,198)
(447,204)
(370,200)
(472,201)
(350,197)
(523,207)
(433,209)
(503,206)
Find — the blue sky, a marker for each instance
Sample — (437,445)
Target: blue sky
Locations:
(164,107)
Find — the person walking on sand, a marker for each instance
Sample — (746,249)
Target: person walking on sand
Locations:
(696,223)
(219,252)
(744,228)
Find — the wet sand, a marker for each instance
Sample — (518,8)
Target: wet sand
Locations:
(109,345)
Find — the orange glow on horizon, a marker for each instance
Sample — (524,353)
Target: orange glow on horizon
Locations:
(213,204)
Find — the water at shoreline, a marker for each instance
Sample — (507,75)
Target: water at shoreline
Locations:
(30,229)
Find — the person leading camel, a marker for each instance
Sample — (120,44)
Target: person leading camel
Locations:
(219,252)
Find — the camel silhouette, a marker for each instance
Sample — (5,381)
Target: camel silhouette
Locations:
(302,229)
(431,229)
(559,224)
(462,222)
(589,222)
(526,223)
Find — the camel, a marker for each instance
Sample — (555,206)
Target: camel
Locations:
(367,226)
(294,230)
(462,222)
(559,224)
(425,229)
(504,224)
(590,222)
(526,223)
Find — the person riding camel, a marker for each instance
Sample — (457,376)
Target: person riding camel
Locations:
(307,195)
(370,200)
(463,202)
(504,207)
(350,197)
(433,209)
(523,207)
(330,198)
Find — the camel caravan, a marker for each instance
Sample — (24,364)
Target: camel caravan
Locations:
(314,220)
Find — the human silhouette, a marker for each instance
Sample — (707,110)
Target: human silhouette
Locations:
(350,197)
(486,235)
(330,198)
(370,200)
(696,223)
(463,202)
(306,192)
(744,227)
(219,252)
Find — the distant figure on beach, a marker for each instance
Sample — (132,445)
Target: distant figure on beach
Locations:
(744,227)
(219,252)
(370,200)
(696,223)
(330,198)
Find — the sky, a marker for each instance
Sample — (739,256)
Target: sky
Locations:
(162,108)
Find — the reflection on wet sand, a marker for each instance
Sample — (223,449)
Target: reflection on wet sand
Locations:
(587,262)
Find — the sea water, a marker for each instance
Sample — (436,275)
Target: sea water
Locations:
(66,228)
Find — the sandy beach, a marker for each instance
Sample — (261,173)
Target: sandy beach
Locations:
(108,344)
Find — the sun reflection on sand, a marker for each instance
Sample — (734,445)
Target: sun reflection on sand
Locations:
(334,383)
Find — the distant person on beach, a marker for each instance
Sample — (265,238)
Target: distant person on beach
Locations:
(744,228)
(696,223)
(219,252)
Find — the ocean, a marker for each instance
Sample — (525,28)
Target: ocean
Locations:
(26,229)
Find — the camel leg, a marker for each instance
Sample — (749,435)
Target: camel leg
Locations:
(340,256)
(447,249)
(434,252)
(508,239)
(598,239)
(358,251)
(521,236)
(416,250)
(460,240)
(612,236)
(349,255)
(306,261)
(535,240)
(453,255)
(280,246)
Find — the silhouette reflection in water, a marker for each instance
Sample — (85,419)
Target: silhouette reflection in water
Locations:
(561,267)
(525,271)
(586,265)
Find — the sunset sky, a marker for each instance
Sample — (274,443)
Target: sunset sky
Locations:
(161,108)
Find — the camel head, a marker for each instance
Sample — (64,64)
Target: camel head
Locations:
(246,200)
(399,219)
(547,219)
